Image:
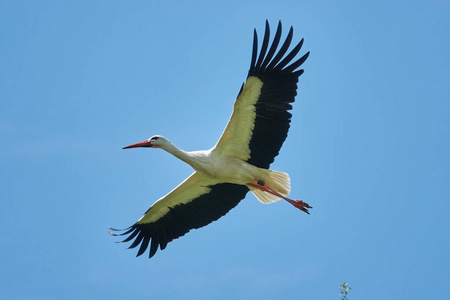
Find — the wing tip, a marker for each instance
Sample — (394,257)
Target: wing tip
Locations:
(281,63)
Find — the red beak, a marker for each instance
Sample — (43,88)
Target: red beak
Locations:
(140,144)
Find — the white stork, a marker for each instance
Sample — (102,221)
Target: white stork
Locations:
(240,160)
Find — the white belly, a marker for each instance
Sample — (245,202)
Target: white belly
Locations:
(231,170)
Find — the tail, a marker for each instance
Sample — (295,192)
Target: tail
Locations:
(277,181)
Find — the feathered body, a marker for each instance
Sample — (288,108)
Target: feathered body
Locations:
(240,160)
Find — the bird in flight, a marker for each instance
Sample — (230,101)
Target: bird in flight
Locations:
(240,160)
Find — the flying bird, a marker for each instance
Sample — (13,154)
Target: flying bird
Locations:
(240,160)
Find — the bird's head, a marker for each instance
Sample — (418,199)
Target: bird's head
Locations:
(156,141)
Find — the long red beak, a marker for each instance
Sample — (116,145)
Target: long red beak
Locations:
(140,144)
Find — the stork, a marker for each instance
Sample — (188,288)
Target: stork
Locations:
(240,160)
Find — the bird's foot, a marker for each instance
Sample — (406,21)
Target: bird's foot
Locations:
(261,185)
(303,206)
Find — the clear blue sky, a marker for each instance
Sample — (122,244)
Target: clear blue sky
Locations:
(368,149)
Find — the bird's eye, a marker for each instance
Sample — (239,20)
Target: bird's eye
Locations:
(153,139)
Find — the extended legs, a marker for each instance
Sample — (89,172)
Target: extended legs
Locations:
(261,185)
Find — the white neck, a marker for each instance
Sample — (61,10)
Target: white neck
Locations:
(198,160)
(180,154)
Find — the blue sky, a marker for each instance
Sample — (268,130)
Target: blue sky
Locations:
(368,149)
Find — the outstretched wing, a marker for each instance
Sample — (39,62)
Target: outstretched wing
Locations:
(195,203)
(261,119)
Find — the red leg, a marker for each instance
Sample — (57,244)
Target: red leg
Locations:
(303,206)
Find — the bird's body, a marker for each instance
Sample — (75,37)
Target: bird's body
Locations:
(239,161)
(212,165)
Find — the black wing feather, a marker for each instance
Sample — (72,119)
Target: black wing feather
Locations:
(289,57)
(264,46)
(297,64)
(279,89)
(272,124)
(183,217)
(283,49)
(273,48)
(255,49)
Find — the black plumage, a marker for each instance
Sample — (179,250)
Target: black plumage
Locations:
(183,217)
(279,89)
(279,76)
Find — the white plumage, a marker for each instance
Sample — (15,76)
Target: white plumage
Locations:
(239,161)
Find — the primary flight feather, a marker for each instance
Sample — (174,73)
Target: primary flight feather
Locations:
(240,160)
